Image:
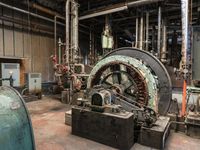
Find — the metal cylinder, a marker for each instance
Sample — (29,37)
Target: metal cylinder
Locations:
(59,51)
(147,31)
(15,123)
(65,96)
(76,35)
(164,42)
(159,31)
(67,12)
(185,29)
(141,33)
(136,33)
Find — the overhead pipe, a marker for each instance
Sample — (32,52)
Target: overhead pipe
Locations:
(45,10)
(141,2)
(159,31)
(29,13)
(122,7)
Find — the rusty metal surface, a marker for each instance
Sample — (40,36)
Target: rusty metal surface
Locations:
(115,130)
(153,137)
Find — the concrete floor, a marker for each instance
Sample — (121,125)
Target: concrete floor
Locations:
(51,133)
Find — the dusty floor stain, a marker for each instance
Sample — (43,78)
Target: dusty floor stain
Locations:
(51,133)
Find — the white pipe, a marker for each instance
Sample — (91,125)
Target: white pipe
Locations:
(147,31)
(71,31)
(67,9)
(136,33)
(71,54)
(164,42)
(141,33)
(141,2)
(76,35)
(185,29)
(159,30)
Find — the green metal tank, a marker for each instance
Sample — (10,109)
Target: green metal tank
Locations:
(16,131)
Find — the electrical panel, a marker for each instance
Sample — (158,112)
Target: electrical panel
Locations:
(8,69)
(34,82)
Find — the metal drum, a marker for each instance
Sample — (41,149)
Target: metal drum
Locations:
(16,131)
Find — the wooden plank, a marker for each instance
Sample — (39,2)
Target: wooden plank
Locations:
(9,49)
(50,47)
(18,44)
(1,40)
(36,53)
(27,45)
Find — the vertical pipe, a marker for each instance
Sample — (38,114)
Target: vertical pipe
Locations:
(71,45)
(147,31)
(3,34)
(76,35)
(141,33)
(86,59)
(185,37)
(116,41)
(185,30)
(59,51)
(90,53)
(136,33)
(184,97)
(164,42)
(94,45)
(159,31)
(55,36)
(67,31)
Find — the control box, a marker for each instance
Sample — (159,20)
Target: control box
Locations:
(34,82)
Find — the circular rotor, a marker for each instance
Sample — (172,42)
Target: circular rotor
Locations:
(127,76)
(157,68)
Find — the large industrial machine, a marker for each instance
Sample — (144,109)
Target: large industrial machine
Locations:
(127,84)
(15,123)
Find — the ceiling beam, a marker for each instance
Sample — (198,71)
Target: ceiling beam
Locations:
(117,8)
